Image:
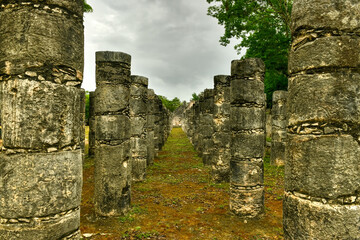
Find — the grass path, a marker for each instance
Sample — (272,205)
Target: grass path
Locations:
(178,201)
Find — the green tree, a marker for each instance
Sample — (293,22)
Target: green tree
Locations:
(194,97)
(172,105)
(262,27)
(87,7)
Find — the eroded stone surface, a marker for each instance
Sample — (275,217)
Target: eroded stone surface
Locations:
(247,121)
(112,148)
(41,64)
(321,170)
(138,129)
(278,129)
(304,219)
(51,182)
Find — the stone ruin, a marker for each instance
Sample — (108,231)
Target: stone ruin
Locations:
(43,143)
(206,126)
(247,121)
(138,129)
(92,126)
(221,138)
(113,164)
(42,110)
(278,128)
(322,183)
(227,128)
(131,126)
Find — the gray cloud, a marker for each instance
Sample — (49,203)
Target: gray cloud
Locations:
(173,43)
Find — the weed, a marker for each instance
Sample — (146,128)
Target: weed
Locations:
(200,209)
(126,218)
(138,210)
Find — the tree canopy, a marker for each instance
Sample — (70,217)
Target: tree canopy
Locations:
(262,27)
(172,105)
(194,97)
(87,7)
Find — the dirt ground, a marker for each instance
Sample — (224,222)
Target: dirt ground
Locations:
(178,201)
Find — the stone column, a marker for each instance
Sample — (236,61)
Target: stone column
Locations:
(112,149)
(190,122)
(322,183)
(247,121)
(278,129)
(92,125)
(150,127)
(82,121)
(207,128)
(220,163)
(196,125)
(158,124)
(41,64)
(161,124)
(138,130)
(200,143)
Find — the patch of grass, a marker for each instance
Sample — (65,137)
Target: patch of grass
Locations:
(138,210)
(126,218)
(273,171)
(220,185)
(172,179)
(89,162)
(200,209)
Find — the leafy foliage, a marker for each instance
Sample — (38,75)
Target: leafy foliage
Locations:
(172,105)
(195,97)
(87,7)
(262,26)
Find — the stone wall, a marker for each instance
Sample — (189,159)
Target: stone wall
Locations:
(40,78)
(112,147)
(322,167)
(247,120)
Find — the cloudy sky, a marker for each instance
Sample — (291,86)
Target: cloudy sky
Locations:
(172,42)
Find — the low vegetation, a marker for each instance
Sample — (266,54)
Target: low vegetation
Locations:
(178,201)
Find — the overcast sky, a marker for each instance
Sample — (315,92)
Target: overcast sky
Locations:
(172,42)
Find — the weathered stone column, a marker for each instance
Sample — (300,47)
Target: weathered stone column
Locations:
(157,124)
(278,129)
(151,127)
(138,130)
(200,143)
(161,124)
(221,154)
(112,149)
(82,120)
(196,125)
(247,120)
(187,121)
(207,128)
(92,124)
(322,183)
(41,64)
